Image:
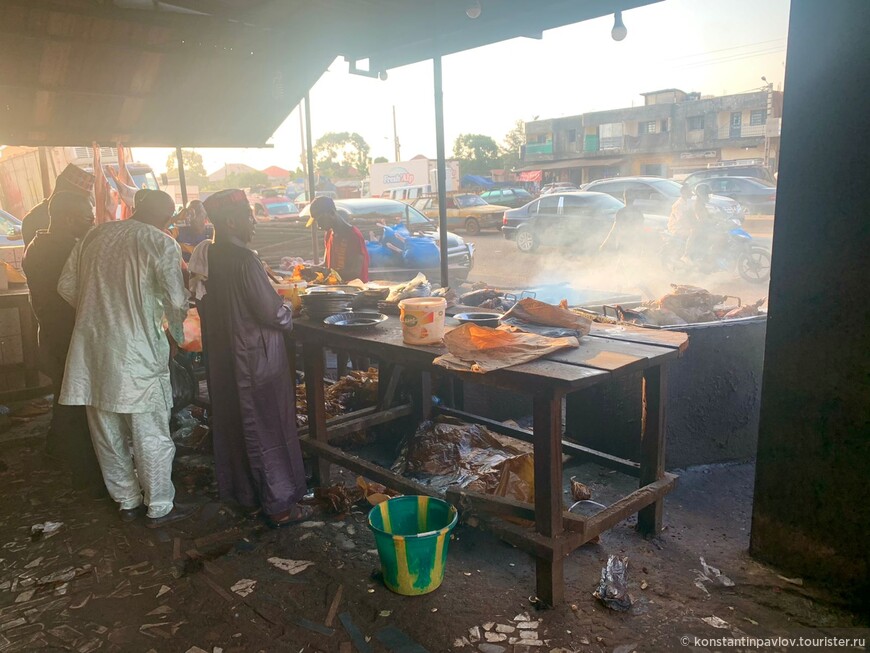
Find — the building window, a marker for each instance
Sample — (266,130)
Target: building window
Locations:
(758,117)
(664,127)
(611,136)
(653,169)
(572,135)
(648,127)
(695,123)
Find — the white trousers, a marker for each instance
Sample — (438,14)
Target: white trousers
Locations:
(147,467)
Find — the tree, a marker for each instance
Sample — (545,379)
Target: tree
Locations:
(381,159)
(335,153)
(477,153)
(194,170)
(239,180)
(512,145)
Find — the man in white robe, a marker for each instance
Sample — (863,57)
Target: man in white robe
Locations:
(124,280)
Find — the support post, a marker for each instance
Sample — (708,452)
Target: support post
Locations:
(44,174)
(309,158)
(442,172)
(182,181)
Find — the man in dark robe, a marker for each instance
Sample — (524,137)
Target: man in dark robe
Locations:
(69,439)
(244,322)
(72,180)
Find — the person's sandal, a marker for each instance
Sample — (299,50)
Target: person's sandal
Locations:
(293,516)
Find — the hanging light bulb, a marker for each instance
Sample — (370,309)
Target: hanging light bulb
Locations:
(619,32)
(474,9)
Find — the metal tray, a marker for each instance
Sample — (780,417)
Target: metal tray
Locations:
(355,320)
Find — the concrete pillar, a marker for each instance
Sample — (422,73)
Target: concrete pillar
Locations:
(812,512)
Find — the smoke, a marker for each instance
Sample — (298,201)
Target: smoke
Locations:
(636,269)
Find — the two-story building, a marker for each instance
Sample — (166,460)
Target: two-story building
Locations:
(672,134)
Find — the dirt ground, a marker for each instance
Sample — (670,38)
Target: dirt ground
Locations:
(95,584)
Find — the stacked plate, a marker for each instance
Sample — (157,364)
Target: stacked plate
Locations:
(320,305)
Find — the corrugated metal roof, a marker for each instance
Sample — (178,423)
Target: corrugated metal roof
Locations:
(220,72)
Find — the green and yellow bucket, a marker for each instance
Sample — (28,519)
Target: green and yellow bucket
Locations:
(412,534)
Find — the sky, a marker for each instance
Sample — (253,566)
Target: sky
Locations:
(715,47)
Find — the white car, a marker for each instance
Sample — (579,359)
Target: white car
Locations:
(10,230)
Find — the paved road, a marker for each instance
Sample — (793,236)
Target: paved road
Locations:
(499,263)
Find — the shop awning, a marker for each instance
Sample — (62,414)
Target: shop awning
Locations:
(570,163)
(221,73)
(476,180)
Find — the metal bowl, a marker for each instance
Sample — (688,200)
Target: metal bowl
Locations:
(355,320)
(480,319)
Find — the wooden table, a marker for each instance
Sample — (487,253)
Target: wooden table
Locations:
(32,381)
(607,352)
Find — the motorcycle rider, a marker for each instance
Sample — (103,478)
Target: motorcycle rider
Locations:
(681,222)
(700,240)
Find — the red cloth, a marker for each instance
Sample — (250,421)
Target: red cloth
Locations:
(105,203)
(348,254)
(124,177)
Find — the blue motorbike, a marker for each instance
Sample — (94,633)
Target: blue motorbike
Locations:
(726,246)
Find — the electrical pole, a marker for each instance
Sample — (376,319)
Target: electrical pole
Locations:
(396,137)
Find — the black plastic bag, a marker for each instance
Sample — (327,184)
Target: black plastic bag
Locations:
(185,387)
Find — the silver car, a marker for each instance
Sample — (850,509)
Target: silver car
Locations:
(656,195)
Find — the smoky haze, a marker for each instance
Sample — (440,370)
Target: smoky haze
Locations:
(636,269)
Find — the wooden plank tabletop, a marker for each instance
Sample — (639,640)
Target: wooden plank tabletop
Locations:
(607,351)
(661,338)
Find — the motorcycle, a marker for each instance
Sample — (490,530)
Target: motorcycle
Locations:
(731,248)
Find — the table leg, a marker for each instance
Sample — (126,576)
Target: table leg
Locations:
(313,357)
(290,347)
(341,359)
(550,570)
(389,375)
(421,394)
(652,449)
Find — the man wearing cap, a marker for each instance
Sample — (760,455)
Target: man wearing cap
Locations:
(258,461)
(345,250)
(124,279)
(72,180)
(68,439)
(196,230)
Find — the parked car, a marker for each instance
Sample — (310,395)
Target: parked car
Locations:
(407,193)
(656,195)
(270,210)
(756,172)
(10,230)
(301,200)
(371,215)
(577,220)
(755,195)
(464,210)
(511,197)
(558,187)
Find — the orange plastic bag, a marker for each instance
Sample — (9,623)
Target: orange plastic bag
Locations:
(192,332)
(473,348)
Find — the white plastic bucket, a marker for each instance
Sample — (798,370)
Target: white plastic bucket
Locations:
(423,320)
